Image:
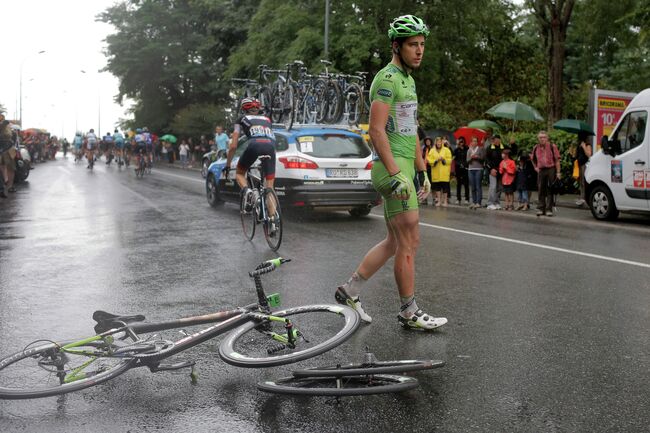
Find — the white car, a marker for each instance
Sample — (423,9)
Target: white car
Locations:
(317,167)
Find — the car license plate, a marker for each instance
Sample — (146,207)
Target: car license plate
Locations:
(341,172)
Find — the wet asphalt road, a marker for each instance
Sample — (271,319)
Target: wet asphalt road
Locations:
(548,318)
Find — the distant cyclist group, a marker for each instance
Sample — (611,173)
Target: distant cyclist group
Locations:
(118,146)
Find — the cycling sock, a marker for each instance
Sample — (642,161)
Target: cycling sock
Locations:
(354,285)
(409,306)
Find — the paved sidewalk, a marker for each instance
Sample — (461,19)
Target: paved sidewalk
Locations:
(566,200)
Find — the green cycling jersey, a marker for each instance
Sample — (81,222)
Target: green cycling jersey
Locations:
(394,87)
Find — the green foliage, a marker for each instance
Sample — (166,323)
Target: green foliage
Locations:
(432,116)
(174,58)
(607,44)
(563,140)
(197,119)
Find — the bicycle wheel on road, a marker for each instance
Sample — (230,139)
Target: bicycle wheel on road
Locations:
(339,386)
(273,227)
(377,367)
(248,218)
(38,371)
(322,328)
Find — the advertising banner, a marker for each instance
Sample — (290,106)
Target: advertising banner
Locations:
(607,107)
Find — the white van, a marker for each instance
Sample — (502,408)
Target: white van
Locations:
(618,176)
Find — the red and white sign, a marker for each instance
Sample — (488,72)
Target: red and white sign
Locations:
(639,178)
(608,107)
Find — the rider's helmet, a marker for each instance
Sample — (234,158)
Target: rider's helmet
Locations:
(138,131)
(248,104)
(407,26)
(91,130)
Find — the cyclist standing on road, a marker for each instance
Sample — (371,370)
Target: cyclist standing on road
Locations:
(91,144)
(393,130)
(261,142)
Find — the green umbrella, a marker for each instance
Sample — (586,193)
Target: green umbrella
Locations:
(574,126)
(484,124)
(516,111)
(168,137)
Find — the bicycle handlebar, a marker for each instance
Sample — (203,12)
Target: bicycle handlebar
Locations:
(267,266)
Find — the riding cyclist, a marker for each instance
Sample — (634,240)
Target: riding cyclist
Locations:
(119,146)
(140,146)
(91,144)
(148,140)
(78,142)
(393,130)
(261,142)
(108,141)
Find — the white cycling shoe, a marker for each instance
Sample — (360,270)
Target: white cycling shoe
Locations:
(421,320)
(342,297)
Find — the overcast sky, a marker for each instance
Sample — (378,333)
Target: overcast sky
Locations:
(57,96)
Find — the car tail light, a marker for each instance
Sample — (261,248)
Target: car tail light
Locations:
(297,162)
(369,165)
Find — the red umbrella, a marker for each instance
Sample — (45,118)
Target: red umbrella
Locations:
(467,133)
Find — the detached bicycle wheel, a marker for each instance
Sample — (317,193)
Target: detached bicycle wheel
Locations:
(45,370)
(273,227)
(378,367)
(318,328)
(339,386)
(248,218)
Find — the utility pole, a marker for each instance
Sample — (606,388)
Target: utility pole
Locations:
(327,28)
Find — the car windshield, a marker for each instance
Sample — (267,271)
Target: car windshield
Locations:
(333,146)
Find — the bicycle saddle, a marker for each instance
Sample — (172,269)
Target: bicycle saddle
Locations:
(106,321)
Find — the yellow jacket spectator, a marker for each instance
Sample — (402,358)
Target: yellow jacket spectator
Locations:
(439,159)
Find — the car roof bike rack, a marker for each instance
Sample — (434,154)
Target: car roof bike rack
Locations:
(347,127)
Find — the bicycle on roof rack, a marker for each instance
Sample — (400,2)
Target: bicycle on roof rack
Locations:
(298,97)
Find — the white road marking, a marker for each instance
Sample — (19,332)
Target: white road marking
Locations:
(532,244)
(65,170)
(202,181)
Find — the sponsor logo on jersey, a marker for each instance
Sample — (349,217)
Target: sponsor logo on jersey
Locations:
(385,92)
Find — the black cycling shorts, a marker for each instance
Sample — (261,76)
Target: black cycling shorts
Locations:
(255,149)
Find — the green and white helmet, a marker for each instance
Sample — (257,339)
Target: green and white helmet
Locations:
(407,26)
